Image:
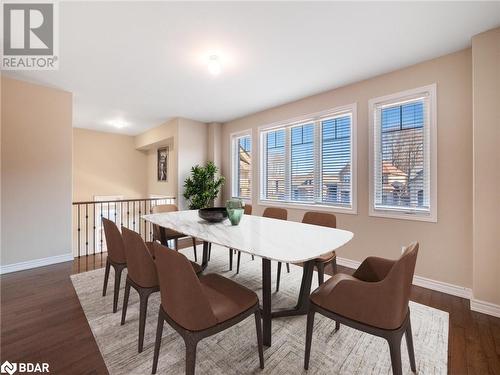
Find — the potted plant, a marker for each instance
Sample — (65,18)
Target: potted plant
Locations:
(203,186)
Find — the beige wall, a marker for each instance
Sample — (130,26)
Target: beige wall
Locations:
(445,253)
(215,150)
(168,187)
(486,222)
(188,146)
(192,150)
(36,172)
(107,164)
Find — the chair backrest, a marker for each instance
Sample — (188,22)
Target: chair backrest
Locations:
(275,213)
(247,210)
(164,208)
(398,281)
(182,296)
(114,241)
(140,264)
(320,218)
(157,230)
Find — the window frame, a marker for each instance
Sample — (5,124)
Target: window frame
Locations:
(233,137)
(315,118)
(405,213)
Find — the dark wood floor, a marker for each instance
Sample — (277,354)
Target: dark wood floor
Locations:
(42,321)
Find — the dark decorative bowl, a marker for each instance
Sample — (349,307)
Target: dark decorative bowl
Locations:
(213,214)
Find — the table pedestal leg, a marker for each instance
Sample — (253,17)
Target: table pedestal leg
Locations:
(266,301)
(204,261)
(302,306)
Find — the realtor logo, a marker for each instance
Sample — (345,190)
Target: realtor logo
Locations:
(8,368)
(29,36)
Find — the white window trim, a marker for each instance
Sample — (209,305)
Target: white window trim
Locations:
(353,210)
(401,213)
(232,138)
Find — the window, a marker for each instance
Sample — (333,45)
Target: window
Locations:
(242,166)
(309,162)
(403,155)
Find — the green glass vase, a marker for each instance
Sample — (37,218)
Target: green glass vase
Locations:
(234,209)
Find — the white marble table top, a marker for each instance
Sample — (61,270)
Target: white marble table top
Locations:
(279,240)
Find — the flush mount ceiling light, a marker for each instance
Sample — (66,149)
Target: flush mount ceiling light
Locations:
(119,124)
(214,66)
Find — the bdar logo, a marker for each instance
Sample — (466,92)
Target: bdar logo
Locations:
(8,368)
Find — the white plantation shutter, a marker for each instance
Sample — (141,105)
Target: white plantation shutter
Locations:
(242,171)
(336,160)
(302,163)
(402,152)
(310,162)
(275,156)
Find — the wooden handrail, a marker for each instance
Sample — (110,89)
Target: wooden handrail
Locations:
(124,200)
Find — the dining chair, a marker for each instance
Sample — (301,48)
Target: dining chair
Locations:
(373,300)
(199,307)
(280,214)
(325,220)
(116,258)
(163,235)
(247,210)
(141,276)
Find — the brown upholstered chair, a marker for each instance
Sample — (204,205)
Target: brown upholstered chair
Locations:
(198,308)
(141,276)
(325,220)
(247,210)
(163,235)
(280,214)
(374,300)
(116,258)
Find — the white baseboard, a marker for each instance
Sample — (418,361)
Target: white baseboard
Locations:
(21,266)
(443,287)
(354,264)
(485,307)
(424,282)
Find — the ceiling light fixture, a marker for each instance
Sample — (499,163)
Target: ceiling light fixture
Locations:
(214,66)
(119,124)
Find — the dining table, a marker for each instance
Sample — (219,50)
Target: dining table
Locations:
(266,238)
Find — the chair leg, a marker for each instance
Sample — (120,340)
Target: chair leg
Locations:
(337,326)
(309,332)
(118,278)
(125,302)
(258,327)
(106,277)
(334,265)
(194,249)
(159,332)
(409,345)
(321,272)
(278,277)
(209,250)
(395,349)
(230,259)
(143,308)
(176,244)
(253,258)
(238,262)
(288,268)
(190,356)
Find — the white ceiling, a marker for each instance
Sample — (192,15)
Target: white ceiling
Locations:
(144,63)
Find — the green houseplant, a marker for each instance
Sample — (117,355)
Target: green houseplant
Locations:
(203,186)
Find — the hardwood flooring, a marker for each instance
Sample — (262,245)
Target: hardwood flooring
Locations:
(42,321)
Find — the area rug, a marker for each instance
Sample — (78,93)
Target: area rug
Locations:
(234,351)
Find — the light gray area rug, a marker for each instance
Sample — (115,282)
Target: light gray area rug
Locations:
(234,351)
